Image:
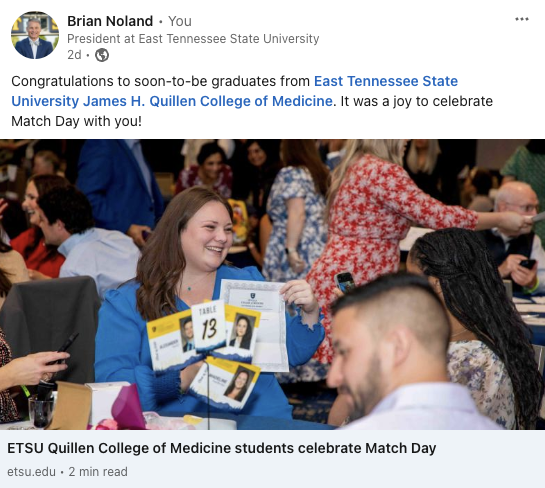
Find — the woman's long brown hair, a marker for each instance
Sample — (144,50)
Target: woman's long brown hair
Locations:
(163,262)
(303,152)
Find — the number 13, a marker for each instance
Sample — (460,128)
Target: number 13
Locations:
(212,330)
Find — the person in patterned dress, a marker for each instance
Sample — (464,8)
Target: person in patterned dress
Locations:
(212,172)
(296,208)
(23,371)
(371,205)
(489,350)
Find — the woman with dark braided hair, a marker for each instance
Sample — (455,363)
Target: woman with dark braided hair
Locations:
(489,350)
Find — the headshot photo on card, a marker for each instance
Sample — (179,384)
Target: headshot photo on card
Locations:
(188,338)
(240,384)
(34,35)
(224,384)
(242,326)
(241,335)
(171,341)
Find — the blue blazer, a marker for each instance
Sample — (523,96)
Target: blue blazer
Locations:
(109,174)
(24,49)
(123,354)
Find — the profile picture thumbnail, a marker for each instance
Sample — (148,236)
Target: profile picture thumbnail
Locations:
(34,35)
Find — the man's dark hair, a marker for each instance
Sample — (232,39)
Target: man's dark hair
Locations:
(402,298)
(208,150)
(70,206)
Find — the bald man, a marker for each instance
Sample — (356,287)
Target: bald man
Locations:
(390,339)
(33,47)
(510,249)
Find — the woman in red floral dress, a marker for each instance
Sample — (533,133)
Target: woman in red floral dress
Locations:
(371,206)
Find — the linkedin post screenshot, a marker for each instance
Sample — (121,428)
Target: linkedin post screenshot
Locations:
(280,293)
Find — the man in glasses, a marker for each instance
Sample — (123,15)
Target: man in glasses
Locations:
(520,257)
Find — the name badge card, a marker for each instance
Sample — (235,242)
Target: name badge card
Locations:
(171,341)
(241,326)
(209,325)
(226,384)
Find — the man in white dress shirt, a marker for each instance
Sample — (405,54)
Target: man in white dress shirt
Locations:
(390,339)
(108,256)
(33,47)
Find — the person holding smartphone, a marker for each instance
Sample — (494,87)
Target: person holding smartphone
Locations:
(519,256)
(28,370)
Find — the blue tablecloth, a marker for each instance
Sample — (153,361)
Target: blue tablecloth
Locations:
(245,422)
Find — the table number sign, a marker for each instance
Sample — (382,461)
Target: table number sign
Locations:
(209,325)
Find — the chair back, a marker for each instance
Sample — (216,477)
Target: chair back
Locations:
(40,315)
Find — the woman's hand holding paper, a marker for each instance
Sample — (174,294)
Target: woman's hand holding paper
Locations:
(300,293)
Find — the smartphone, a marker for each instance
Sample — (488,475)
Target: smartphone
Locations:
(528,263)
(45,388)
(344,281)
(65,346)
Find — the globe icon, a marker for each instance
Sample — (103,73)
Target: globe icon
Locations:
(102,55)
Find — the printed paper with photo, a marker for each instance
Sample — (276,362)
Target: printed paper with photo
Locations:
(226,384)
(242,329)
(171,341)
(271,353)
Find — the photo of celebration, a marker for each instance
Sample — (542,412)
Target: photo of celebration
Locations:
(412,271)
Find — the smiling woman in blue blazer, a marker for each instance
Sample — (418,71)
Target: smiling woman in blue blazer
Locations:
(33,47)
(182,264)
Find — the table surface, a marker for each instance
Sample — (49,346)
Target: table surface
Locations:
(246,422)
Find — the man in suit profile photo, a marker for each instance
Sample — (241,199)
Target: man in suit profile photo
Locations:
(33,47)
(187,335)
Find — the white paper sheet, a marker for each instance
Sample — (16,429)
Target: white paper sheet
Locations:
(271,353)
